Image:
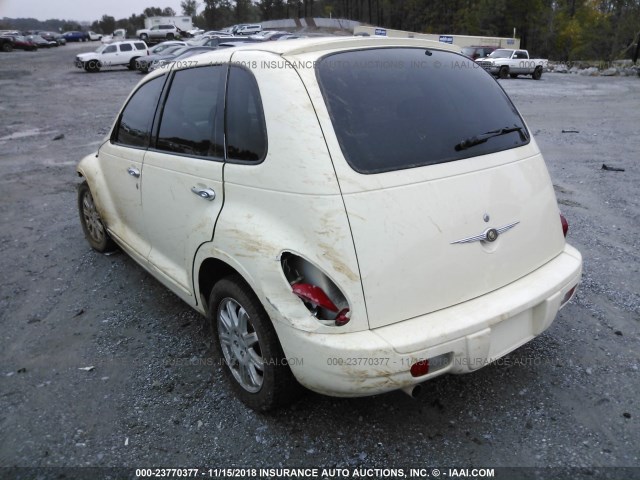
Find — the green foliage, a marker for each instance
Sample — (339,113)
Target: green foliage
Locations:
(189,7)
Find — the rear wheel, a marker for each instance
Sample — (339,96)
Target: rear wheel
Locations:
(503,72)
(92,225)
(144,37)
(537,73)
(248,347)
(133,63)
(7,47)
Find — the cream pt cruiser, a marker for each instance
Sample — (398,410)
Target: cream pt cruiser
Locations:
(353,215)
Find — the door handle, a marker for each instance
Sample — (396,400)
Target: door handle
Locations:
(134,172)
(206,193)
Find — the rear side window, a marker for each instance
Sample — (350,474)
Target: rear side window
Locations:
(135,122)
(193,116)
(398,108)
(245,126)
(126,47)
(140,46)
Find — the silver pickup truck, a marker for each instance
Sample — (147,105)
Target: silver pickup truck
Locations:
(504,62)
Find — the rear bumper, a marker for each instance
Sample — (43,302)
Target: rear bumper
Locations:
(464,337)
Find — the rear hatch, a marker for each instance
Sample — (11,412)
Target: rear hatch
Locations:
(447,195)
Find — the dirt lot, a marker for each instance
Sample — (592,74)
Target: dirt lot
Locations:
(567,399)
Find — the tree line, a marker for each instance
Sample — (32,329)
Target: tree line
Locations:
(557,29)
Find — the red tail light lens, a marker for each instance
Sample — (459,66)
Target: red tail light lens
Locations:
(420,368)
(565,225)
(314,295)
(342,318)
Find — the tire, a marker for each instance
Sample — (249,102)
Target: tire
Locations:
(170,36)
(133,64)
(247,347)
(92,225)
(503,72)
(7,47)
(537,73)
(92,66)
(144,37)
(513,75)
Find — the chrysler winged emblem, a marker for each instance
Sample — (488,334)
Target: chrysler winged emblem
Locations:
(489,235)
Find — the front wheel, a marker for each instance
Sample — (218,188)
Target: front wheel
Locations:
(503,72)
(170,36)
(144,37)
(537,73)
(92,66)
(7,47)
(248,347)
(92,225)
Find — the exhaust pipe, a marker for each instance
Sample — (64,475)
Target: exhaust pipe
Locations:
(414,391)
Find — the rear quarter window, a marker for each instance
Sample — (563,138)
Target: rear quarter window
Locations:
(398,108)
(134,126)
(246,131)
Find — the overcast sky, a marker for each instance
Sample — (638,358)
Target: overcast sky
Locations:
(80,9)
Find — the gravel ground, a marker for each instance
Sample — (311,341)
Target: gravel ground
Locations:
(567,399)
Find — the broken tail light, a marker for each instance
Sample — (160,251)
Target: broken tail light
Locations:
(315,296)
(317,291)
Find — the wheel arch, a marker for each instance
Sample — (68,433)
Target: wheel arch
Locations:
(210,271)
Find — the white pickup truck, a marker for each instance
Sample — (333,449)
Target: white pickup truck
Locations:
(504,62)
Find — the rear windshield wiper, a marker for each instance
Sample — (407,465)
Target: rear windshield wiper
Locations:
(478,139)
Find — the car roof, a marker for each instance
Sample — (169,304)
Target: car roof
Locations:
(320,46)
(126,41)
(334,44)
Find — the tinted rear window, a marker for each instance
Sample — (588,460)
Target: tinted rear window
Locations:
(397,108)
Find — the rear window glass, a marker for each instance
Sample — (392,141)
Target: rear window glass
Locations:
(398,108)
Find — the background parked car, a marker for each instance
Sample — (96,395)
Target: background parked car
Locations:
(477,52)
(53,37)
(112,55)
(269,35)
(21,42)
(144,63)
(249,29)
(41,42)
(59,38)
(157,49)
(93,36)
(75,36)
(6,43)
(214,41)
(170,57)
(117,36)
(158,33)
